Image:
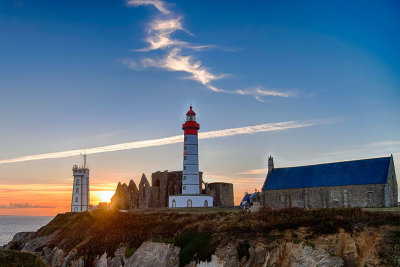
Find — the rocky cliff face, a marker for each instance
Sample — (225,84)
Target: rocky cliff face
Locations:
(364,245)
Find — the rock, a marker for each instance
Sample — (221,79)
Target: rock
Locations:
(102,261)
(119,258)
(71,255)
(19,240)
(154,254)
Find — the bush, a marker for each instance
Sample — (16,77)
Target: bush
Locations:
(194,246)
(243,250)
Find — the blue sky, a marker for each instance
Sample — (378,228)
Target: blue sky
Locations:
(76,74)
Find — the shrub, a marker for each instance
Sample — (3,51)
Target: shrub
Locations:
(243,250)
(194,246)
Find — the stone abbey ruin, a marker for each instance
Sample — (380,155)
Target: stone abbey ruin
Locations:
(164,184)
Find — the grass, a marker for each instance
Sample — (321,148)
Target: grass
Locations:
(391,209)
(9,258)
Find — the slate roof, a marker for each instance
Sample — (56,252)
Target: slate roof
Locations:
(365,171)
(247,197)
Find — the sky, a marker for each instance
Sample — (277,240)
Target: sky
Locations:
(317,81)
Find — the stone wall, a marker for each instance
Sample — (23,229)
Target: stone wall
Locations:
(370,195)
(392,187)
(222,193)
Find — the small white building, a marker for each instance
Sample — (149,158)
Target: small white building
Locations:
(80,194)
(191,186)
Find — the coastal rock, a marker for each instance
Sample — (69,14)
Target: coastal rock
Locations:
(154,254)
(19,240)
(119,258)
(102,261)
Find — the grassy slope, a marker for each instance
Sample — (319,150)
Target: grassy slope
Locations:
(102,230)
(10,258)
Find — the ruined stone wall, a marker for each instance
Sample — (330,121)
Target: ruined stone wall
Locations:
(144,193)
(222,193)
(370,195)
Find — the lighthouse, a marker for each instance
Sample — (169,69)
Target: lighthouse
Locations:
(190,177)
(191,186)
(80,191)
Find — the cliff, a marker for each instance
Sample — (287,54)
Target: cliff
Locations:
(212,237)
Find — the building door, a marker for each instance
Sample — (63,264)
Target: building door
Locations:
(189,203)
(205,203)
(76,209)
(173,203)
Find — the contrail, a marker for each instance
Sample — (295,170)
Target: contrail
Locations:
(267,127)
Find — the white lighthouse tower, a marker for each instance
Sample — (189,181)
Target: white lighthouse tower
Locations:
(80,194)
(191,185)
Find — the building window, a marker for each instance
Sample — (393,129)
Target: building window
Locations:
(184,177)
(184,167)
(185,148)
(77,190)
(77,181)
(76,199)
(282,198)
(184,187)
(185,157)
(335,195)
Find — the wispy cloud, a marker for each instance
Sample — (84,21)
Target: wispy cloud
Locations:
(368,146)
(160,5)
(159,36)
(267,127)
(253,172)
(24,206)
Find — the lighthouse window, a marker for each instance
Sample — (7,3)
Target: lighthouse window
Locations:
(77,181)
(76,199)
(77,190)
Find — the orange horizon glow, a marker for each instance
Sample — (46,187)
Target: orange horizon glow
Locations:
(57,197)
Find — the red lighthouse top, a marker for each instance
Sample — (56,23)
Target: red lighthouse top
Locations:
(190,126)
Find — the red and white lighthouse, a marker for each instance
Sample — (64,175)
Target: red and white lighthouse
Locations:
(191,185)
(190,178)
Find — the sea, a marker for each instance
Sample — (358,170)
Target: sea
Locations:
(10,225)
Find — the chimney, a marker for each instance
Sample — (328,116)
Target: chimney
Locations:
(270,164)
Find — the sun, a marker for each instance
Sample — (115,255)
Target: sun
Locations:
(103,196)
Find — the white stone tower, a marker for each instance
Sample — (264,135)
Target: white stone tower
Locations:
(80,194)
(191,185)
(190,179)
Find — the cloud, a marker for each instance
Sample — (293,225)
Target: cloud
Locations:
(367,146)
(160,5)
(174,61)
(159,37)
(267,127)
(24,206)
(253,172)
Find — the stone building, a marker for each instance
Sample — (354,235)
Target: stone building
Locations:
(357,183)
(164,184)
(222,193)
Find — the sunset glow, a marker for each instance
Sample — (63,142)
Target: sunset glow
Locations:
(101,196)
